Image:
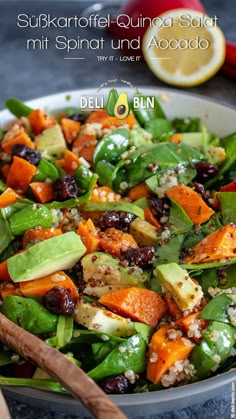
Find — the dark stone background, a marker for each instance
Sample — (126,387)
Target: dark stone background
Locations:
(30,74)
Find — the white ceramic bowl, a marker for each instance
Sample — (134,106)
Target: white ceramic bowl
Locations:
(220,119)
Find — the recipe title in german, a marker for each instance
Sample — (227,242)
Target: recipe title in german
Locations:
(96,40)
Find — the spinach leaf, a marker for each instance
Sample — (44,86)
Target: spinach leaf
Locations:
(17,107)
(229,144)
(144,330)
(208,278)
(64,330)
(158,127)
(145,113)
(208,265)
(102,349)
(105,170)
(129,355)
(46,169)
(178,219)
(218,340)
(186,124)
(227,277)
(166,156)
(111,146)
(32,382)
(212,225)
(216,309)
(227,206)
(170,251)
(6,236)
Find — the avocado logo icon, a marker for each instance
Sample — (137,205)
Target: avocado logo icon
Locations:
(118,105)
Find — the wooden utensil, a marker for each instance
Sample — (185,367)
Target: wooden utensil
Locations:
(71,377)
(3,408)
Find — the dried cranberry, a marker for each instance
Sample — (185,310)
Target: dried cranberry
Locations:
(78,117)
(160,206)
(26,153)
(201,190)
(118,220)
(141,257)
(126,219)
(205,171)
(58,301)
(118,384)
(65,188)
(109,219)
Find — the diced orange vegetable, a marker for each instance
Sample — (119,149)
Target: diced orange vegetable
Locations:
(20,174)
(216,246)
(111,121)
(11,289)
(138,192)
(37,235)
(70,162)
(102,117)
(39,287)
(138,304)
(176,138)
(192,203)
(172,307)
(8,197)
(16,135)
(43,191)
(104,194)
(116,241)
(84,146)
(5,169)
(40,121)
(230,187)
(70,129)
(192,325)
(4,275)
(89,235)
(164,352)
(149,217)
(97,116)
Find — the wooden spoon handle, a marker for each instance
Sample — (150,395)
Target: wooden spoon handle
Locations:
(61,369)
(3,408)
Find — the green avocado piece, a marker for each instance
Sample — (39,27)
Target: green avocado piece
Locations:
(101,269)
(144,233)
(29,314)
(51,143)
(178,283)
(57,253)
(122,108)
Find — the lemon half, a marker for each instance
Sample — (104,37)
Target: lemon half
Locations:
(184,47)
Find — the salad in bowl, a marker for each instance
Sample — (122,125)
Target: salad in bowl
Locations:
(118,245)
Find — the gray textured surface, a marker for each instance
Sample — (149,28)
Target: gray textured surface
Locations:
(27,75)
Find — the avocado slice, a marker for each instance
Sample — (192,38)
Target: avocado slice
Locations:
(143,232)
(57,253)
(51,143)
(122,108)
(186,293)
(103,274)
(102,320)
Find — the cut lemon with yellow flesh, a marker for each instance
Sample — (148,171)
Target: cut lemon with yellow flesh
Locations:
(183,47)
